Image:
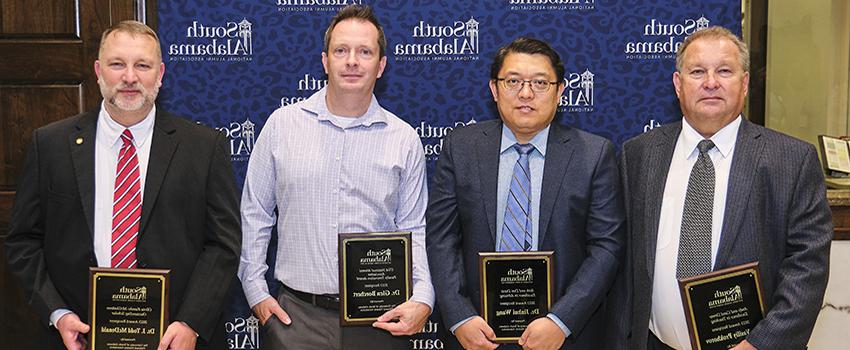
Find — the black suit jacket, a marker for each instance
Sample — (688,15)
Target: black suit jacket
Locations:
(190,219)
(776,214)
(581,219)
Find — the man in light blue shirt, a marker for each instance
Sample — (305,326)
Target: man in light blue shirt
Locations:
(334,163)
(523,183)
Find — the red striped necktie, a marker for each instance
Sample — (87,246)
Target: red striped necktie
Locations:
(126,205)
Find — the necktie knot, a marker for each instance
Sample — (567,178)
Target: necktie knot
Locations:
(127,137)
(523,148)
(705,146)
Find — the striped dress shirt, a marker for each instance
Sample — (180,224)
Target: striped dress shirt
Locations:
(325,178)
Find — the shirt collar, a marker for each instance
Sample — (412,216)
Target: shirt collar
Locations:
(539,141)
(317,104)
(111,130)
(724,139)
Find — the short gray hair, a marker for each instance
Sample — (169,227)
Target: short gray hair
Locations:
(715,32)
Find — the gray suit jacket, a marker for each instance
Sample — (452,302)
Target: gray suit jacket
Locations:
(581,220)
(776,214)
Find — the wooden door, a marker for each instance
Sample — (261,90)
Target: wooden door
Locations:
(47,53)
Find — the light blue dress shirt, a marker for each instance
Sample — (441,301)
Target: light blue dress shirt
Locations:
(325,178)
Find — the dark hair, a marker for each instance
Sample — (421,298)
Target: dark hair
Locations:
(528,46)
(363,13)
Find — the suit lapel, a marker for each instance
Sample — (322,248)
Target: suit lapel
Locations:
(488,167)
(657,165)
(559,153)
(747,154)
(163,145)
(82,143)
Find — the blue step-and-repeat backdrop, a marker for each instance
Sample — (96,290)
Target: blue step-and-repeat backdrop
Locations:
(230,63)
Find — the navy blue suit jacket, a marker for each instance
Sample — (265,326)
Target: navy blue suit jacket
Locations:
(581,220)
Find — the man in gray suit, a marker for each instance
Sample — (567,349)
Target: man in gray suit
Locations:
(767,204)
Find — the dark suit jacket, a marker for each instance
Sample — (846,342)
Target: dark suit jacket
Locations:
(581,220)
(776,214)
(190,219)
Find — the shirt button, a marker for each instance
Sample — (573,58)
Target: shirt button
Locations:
(335,191)
(337,159)
(333,225)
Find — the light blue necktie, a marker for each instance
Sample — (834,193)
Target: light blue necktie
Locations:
(516,231)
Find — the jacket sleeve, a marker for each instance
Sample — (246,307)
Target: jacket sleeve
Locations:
(25,242)
(444,242)
(216,266)
(804,269)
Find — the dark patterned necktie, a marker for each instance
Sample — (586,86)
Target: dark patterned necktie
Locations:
(516,231)
(695,240)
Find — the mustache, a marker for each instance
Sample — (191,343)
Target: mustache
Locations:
(135,86)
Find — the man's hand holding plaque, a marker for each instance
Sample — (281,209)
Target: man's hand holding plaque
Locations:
(405,319)
(476,334)
(72,331)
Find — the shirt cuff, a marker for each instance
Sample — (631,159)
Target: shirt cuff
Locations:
(424,293)
(256,291)
(57,314)
(560,324)
(455,327)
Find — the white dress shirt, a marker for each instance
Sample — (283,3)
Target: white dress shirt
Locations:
(667,320)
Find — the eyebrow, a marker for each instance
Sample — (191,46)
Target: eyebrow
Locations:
(537,74)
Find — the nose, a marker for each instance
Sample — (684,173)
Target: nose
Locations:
(130,76)
(711,81)
(524,92)
(351,59)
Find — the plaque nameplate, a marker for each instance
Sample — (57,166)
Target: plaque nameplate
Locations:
(375,275)
(721,307)
(516,288)
(128,308)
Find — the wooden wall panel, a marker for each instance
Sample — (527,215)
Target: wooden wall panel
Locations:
(34,61)
(39,17)
(28,108)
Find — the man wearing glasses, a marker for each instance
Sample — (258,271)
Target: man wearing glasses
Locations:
(522,183)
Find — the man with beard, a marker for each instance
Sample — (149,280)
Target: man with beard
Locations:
(126,186)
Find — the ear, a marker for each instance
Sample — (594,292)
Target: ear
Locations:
(677,83)
(325,62)
(746,82)
(561,88)
(381,66)
(494,90)
(161,74)
(97,69)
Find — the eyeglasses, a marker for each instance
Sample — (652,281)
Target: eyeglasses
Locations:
(537,85)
